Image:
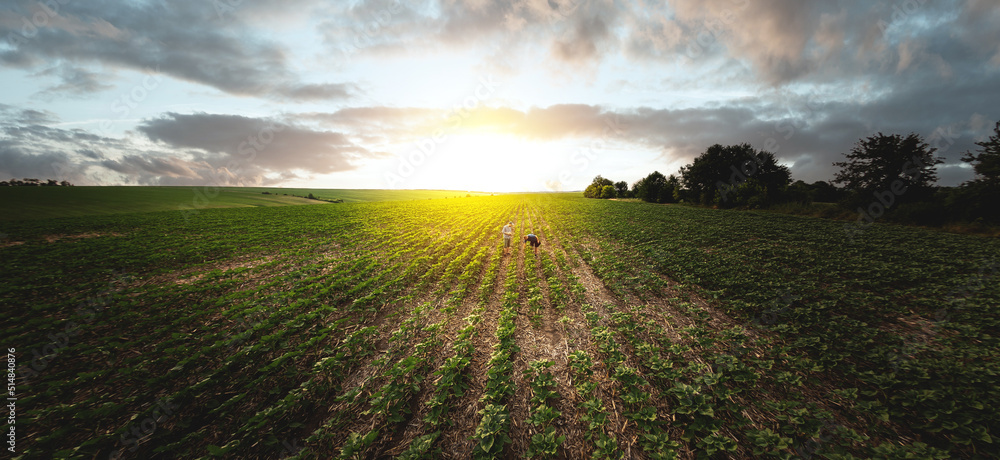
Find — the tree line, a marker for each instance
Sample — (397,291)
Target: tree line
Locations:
(26,182)
(883,174)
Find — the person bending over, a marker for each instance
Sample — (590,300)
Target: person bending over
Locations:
(533,239)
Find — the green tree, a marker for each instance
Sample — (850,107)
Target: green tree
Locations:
(650,187)
(801,192)
(596,187)
(888,168)
(986,161)
(825,192)
(672,192)
(601,181)
(608,191)
(735,175)
(621,188)
(976,200)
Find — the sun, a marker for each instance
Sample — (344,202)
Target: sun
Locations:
(483,161)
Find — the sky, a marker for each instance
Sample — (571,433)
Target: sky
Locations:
(528,95)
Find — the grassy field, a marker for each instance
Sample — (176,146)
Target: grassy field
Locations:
(400,329)
(20,203)
(362,195)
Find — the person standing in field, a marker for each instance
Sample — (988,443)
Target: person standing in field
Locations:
(533,239)
(508,234)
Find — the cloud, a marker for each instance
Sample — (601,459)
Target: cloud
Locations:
(377,125)
(781,40)
(954,173)
(187,149)
(788,42)
(75,82)
(775,42)
(30,147)
(18,163)
(573,29)
(139,165)
(313,92)
(402,124)
(10,115)
(181,39)
(370,116)
(89,153)
(584,43)
(256,143)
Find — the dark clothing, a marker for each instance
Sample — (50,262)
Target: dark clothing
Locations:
(531,238)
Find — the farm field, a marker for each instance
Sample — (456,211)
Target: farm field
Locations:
(364,195)
(399,329)
(20,203)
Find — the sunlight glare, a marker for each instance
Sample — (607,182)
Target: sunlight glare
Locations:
(486,162)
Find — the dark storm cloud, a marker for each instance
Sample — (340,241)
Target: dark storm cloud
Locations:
(186,40)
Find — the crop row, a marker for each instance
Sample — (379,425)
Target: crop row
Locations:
(492,433)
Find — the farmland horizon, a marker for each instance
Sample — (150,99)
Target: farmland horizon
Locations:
(20,203)
(333,188)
